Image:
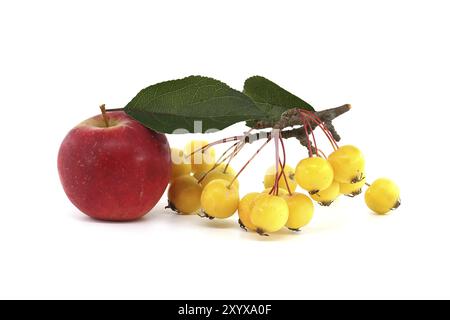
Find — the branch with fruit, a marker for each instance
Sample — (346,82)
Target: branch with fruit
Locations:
(117,165)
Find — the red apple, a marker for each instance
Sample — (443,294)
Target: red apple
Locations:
(117,172)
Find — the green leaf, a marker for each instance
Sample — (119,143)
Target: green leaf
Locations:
(271,98)
(177,104)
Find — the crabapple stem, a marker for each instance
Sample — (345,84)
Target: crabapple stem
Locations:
(276,135)
(287,183)
(284,165)
(305,127)
(322,153)
(238,147)
(314,140)
(318,122)
(283,173)
(228,159)
(105,116)
(219,161)
(209,145)
(249,160)
(324,128)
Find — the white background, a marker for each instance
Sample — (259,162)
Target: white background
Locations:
(390,59)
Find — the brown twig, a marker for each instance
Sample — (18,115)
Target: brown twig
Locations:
(332,130)
(290,118)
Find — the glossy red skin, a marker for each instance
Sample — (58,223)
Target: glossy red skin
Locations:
(117,173)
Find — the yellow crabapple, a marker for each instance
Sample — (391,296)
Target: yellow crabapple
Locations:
(301,211)
(219,199)
(289,172)
(269,213)
(314,174)
(245,208)
(352,189)
(184,195)
(327,196)
(382,196)
(180,165)
(348,164)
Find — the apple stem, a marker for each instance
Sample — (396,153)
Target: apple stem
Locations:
(105,117)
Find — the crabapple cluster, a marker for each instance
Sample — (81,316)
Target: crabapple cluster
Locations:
(199,185)
(208,187)
(326,178)
(343,172)
(348,178)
